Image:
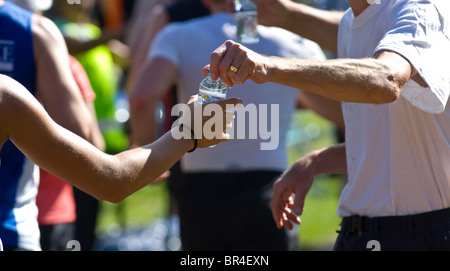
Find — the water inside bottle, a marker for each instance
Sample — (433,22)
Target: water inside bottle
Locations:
(246,23)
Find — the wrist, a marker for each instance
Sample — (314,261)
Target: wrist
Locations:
(314,161)
(273,69)
(330,160)
(194,140)
(190,140)
(282,71)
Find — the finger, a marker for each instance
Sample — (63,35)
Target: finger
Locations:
(238,72)
(216,58)
(240,75)
(214,141)
(292,217)
(205,70)
(287,224)
(226,62)
(228,120)
(299,202)
(232,70)
(277,205)
(290,202)
(228,125)
(229,103)
(229,116)
(277,214)
(225,137)
(193,98)
(161,178)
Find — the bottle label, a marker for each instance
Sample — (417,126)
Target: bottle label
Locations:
(208,99)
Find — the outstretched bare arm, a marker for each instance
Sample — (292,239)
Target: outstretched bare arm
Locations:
(378,79)
(61,152)
(317,25)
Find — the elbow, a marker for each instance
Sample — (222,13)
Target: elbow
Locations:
(393,81)
(109,195)
(115,184)
(390,94)
(395,87)
(114,196)
(389,90)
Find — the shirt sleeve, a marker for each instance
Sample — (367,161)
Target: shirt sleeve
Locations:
(166,44)
(420,33)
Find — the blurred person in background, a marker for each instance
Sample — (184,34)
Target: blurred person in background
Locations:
(36,55)
(55,198)
(93,48)
(229,186)
(148,19)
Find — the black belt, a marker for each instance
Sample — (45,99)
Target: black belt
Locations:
(358,224)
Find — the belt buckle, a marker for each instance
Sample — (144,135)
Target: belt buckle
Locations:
(356,224)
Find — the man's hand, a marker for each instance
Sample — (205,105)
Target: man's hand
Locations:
(297,180)
(249,65)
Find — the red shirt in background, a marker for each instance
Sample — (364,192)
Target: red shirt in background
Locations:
(55,199)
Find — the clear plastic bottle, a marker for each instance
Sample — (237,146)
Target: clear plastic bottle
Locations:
(211,90)
(246,21)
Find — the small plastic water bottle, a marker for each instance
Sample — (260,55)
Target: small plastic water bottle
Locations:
(246,17)
(211,90)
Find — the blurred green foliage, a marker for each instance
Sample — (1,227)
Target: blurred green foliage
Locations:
(320,221)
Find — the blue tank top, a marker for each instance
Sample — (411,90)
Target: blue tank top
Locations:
(19,177)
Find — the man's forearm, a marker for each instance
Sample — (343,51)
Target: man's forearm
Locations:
(348,80)
(331,160)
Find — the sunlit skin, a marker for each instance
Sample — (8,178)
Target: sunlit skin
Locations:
(68,156)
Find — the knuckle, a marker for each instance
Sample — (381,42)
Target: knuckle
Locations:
(235,46)
(229,43)
(248,63)
(223,67)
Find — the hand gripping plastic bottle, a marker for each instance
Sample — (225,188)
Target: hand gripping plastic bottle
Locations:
(211,90)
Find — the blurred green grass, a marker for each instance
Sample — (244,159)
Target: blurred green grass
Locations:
(320,221)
